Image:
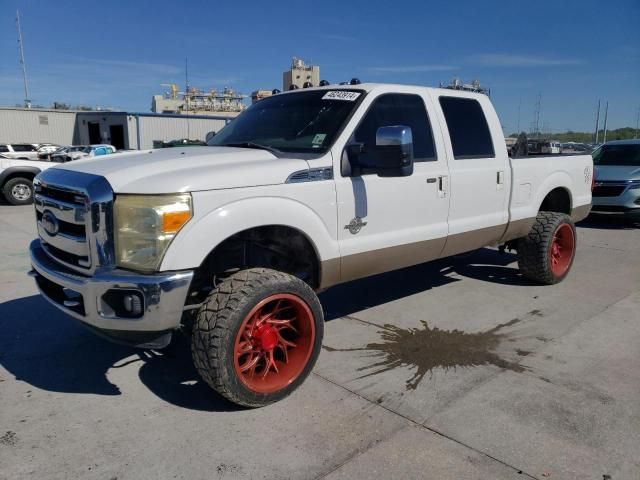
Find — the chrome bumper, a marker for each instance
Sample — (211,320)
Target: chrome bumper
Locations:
(90,299)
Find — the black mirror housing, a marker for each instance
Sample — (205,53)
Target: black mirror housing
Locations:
(394,151)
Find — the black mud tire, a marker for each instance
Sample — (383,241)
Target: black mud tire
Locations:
(11,184)
(534,250)
(220,317)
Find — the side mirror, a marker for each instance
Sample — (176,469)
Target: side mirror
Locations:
(394,151)
(209,136)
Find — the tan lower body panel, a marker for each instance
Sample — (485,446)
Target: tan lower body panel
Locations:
(364,264)
(467,241)
(391,258)
(581,212)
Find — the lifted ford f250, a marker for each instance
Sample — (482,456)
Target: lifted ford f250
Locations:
(304,190)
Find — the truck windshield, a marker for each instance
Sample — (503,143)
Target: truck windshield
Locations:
(306,121)
(620,155)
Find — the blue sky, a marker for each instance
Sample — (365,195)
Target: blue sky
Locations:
(117,53)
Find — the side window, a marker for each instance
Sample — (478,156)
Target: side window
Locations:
(4,148)
(24,148)
(468,128)
(396,109)
(100,151)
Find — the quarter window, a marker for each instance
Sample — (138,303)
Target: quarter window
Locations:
(468,128)
(396,109)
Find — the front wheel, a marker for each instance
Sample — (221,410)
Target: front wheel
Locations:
(546,254)
(257,336)
(18,191)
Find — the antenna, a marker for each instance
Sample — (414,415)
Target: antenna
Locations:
(27,102)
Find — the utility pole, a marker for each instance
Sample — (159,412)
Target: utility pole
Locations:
(27,102)
(186,97)
(519,106)
(637,123)
(606,113)
(597,122)
(537,115)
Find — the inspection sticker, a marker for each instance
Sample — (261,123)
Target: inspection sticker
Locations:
(341,95)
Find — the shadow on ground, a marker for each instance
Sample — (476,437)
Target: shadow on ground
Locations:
(46,349)
(609,222)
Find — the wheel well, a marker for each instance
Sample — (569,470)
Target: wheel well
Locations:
(279,247)
(557,200)
(28,175)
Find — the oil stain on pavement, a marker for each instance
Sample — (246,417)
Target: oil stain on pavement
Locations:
(424,349)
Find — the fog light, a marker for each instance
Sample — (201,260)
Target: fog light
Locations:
(637,202)
(132,304)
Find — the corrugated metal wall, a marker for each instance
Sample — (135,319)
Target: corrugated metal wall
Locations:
(37,126)
(160,128)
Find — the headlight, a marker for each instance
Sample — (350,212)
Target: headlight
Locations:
(145,226)
(635,184)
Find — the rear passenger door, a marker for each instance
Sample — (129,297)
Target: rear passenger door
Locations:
(479,174)
(385,223)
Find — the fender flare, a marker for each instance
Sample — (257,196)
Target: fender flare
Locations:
(203,234)
(9,172)
(558,179)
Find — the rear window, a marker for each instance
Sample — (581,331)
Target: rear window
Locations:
(620,155)
(468,128)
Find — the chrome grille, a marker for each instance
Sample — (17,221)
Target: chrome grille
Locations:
(67,242)
(74,219)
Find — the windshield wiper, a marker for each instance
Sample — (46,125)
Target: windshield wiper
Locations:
(275,151)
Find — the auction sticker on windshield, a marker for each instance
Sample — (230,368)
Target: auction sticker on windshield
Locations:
(341,95)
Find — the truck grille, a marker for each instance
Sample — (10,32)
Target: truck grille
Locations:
(74,214)
(603,189)
(60,214)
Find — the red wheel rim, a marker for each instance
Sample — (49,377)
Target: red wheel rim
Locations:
(561,250)
(274,343)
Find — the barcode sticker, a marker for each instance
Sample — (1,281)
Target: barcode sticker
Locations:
(341,95)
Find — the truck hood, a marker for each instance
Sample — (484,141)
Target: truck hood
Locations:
(189,169)
(619,173)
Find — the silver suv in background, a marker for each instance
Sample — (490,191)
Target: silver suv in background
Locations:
(22,151)
(617,178)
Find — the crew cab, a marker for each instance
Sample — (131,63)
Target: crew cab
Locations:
(304,190)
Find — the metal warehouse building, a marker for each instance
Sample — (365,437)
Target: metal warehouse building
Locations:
(121,129)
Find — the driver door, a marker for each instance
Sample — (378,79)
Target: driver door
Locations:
(385,223)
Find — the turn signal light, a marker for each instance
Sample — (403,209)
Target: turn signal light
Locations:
(173,221)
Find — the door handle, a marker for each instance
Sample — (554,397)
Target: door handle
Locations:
(500,180)
(431,180)
(443,186)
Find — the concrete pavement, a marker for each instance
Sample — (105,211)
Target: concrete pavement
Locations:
(455,369)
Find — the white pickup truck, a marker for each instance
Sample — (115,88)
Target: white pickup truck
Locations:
(306,189)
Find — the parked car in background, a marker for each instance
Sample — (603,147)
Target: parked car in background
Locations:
(617,178)
(551,147)
(23,151)
(91,151)
(61,155)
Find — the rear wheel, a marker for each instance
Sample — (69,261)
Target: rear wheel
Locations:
(257,336)
(546,254)
(18,191)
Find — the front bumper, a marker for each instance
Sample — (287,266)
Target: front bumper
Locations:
(91,299)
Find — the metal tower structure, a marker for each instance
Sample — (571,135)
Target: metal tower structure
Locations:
(27,102)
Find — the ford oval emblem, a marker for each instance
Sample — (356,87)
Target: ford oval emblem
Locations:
(50,223)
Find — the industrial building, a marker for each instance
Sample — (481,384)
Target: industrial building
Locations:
(196,102)
(299,74)
(123,130)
